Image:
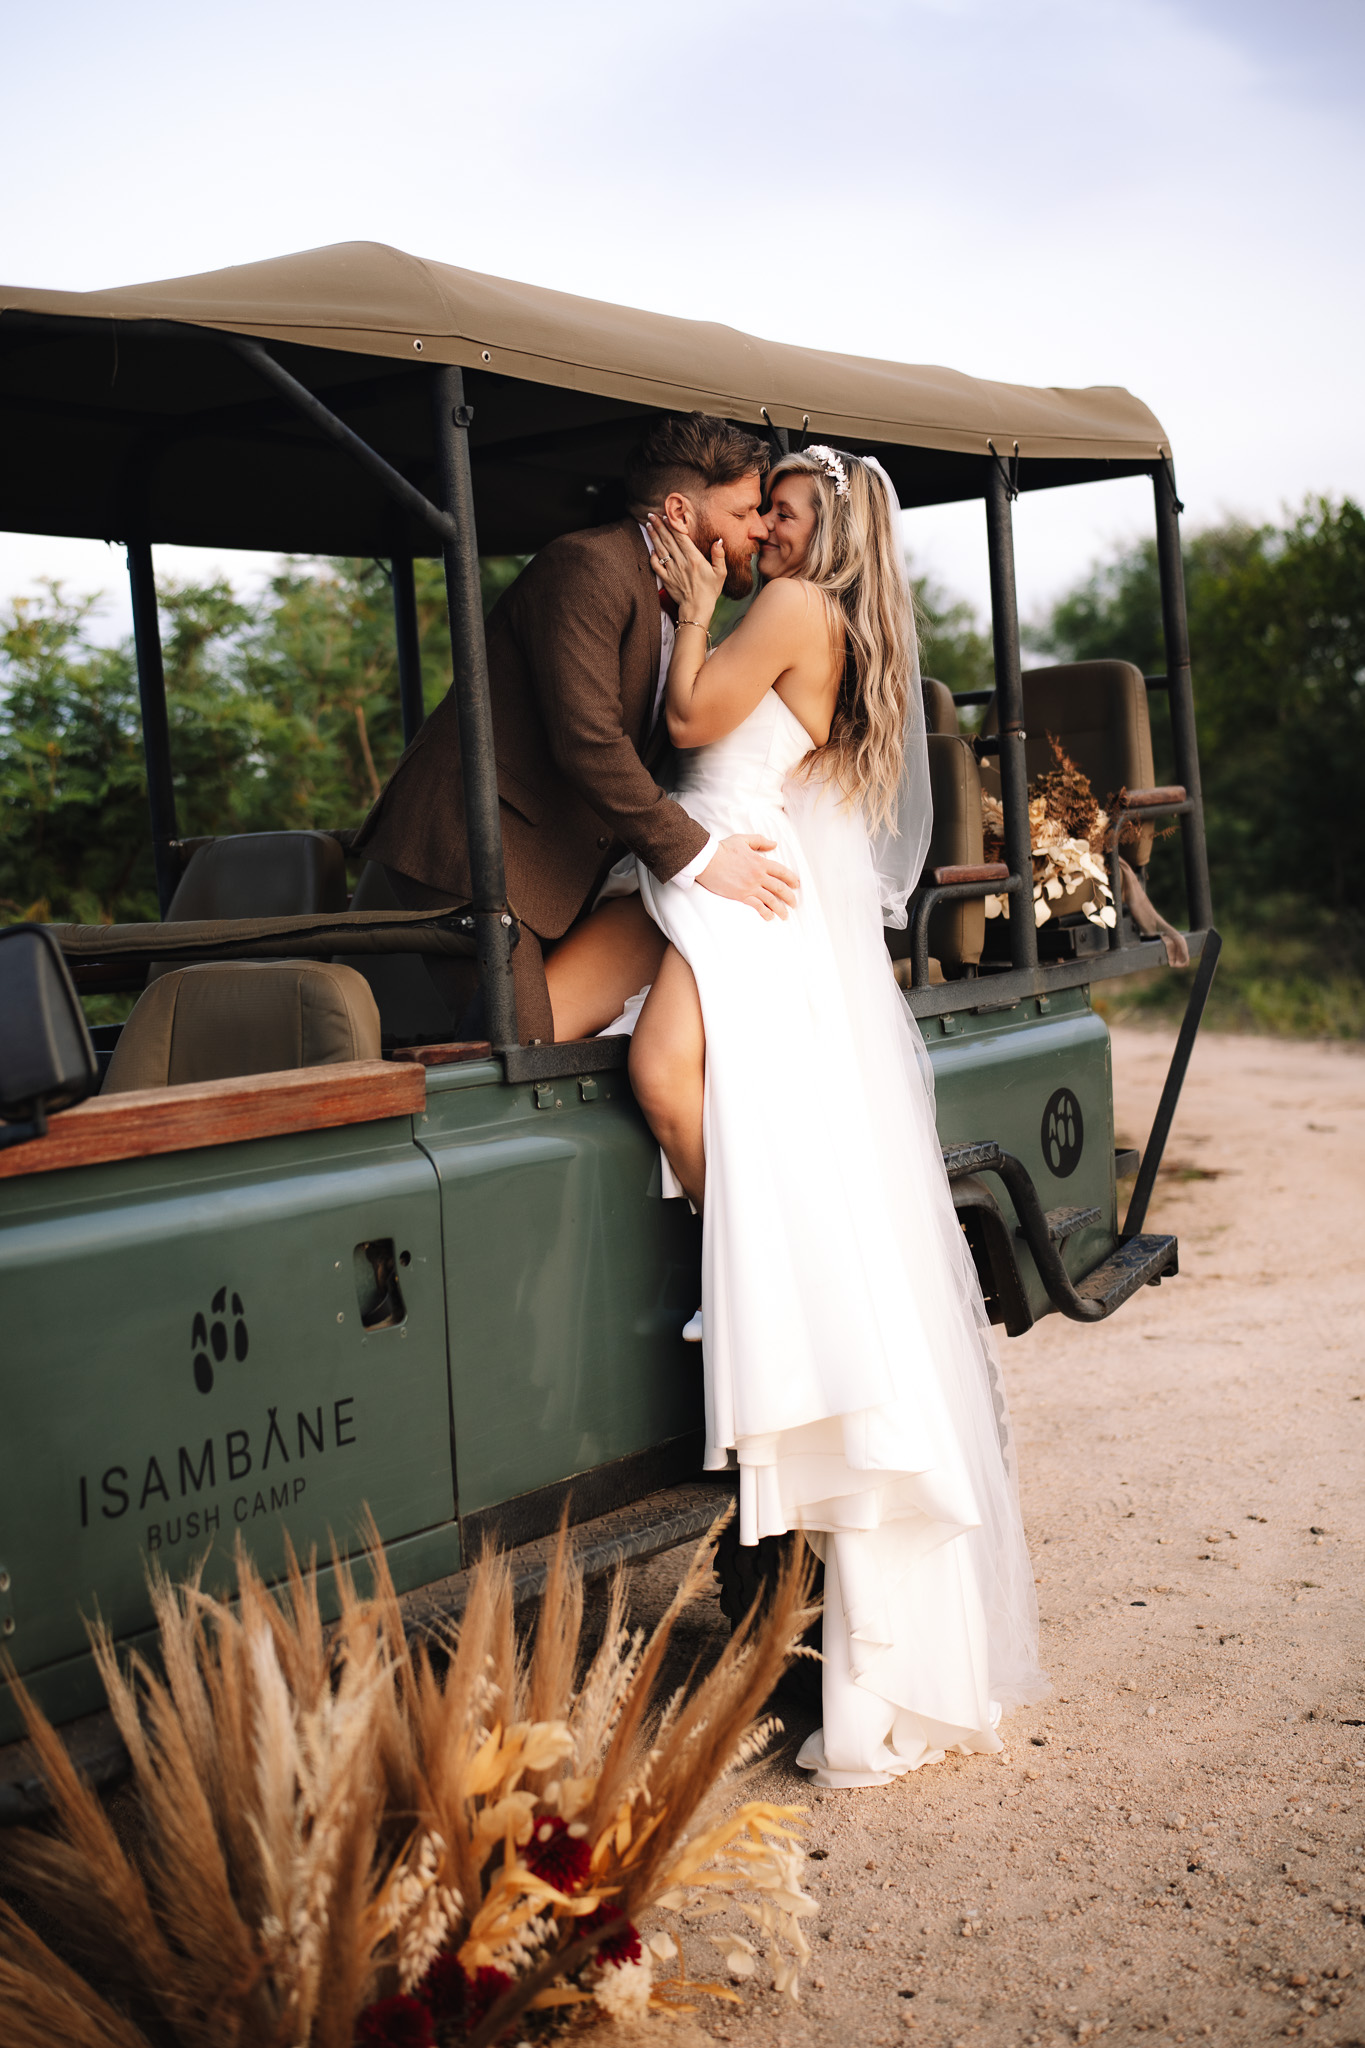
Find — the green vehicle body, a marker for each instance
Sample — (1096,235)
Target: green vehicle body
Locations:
(543,1288)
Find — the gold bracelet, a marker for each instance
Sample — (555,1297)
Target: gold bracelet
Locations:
(695,622)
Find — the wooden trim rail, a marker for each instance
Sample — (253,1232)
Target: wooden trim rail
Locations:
(1147,799)
(148,1121)
(458,1053)
(984,871)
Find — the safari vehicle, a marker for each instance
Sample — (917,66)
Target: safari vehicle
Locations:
(285,1264)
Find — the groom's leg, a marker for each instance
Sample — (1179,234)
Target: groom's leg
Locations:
(607,957)
(535,1023)
(457,981)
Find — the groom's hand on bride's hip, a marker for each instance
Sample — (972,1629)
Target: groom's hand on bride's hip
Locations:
(743,871)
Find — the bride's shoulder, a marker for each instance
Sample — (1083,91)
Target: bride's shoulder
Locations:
(790,603)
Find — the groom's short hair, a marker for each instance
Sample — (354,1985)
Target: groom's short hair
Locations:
(690,451)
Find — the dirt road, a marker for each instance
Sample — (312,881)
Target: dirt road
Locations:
(1174,1843)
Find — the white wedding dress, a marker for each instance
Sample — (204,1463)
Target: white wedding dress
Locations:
(848,1360)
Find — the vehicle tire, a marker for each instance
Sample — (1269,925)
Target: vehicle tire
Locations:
(748,1572)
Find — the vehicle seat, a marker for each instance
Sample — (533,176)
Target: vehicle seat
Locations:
(940,711)
(262,874)
(410,1010)
(259,874)
(228,1017)
(957,931)
(1098,711)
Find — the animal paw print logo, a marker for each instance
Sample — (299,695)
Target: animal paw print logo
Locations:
(1063,1133)
(209,1340)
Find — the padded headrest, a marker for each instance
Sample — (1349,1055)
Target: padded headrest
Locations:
(262,874)
(229,1017)
(1098,710)
(940,712)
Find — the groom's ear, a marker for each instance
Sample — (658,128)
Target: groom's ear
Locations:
(680,511)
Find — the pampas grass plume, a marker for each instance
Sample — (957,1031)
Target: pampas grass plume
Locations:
(323,1812)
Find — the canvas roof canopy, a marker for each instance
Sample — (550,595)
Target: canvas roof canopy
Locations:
(115,422)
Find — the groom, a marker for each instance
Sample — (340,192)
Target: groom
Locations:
(578,653)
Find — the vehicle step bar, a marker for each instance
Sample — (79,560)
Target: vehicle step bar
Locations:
(662,1520)
(1137,1262)
(1064,1223)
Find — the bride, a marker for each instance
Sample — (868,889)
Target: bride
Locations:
(848,1360)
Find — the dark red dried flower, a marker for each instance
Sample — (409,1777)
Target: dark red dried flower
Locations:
(483,1990)
(555,1855)
(401,2022)
(445,1989)
(622,1947)
(456,1999)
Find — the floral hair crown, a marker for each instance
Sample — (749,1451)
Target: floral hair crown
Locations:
(832,463)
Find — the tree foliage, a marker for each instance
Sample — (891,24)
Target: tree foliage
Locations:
(73,832)
(1277,640)
(284,712)
(953,647)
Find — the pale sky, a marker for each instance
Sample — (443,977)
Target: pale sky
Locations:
(1165,194)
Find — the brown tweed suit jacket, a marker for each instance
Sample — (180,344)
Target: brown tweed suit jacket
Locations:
(573,654)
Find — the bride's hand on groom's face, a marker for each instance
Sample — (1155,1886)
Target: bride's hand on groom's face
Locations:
(693,581)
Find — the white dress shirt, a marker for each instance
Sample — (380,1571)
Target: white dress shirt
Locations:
(668,634)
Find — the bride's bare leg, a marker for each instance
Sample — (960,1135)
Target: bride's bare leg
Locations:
(667,1070)
(609,955)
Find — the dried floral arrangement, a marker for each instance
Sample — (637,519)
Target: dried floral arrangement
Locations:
(1069,834)
(344,1840)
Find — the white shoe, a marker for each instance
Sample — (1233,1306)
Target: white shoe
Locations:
(692,1329)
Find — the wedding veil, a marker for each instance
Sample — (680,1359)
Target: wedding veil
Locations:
(899,848)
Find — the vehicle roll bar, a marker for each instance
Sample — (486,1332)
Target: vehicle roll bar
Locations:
(474,705)
(454,525)
(408,642)
(1175,1081)
(1180,694)
(110,957)
(156,725)
(1001,489)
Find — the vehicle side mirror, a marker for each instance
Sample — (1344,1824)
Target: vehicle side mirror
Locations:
(46,1059)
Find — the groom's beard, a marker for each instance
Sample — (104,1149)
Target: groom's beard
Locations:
(739,570)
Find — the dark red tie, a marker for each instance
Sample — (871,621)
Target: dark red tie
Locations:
(668,604)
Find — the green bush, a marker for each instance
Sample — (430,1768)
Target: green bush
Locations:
(1277,642)
(283,713)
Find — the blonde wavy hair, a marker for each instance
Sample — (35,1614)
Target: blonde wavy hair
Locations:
(855,562)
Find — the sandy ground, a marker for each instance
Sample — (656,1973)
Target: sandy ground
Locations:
(1174,1844)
